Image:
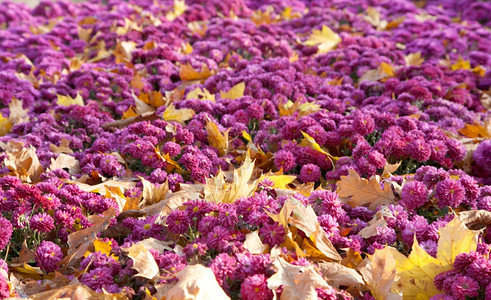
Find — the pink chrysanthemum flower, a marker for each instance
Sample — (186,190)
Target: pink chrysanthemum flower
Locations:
(449,193)
(178,222)
(464,287)
(255,287)
(42,222)
(5,232)
(414,194)
(49,255)
(285,160)
(273,234)
(310,173)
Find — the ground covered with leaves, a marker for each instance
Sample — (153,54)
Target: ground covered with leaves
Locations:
(245,149)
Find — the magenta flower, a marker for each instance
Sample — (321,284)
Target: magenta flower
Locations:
(255,287)
(42,222)
(5,232)
(464,287)
(273,234)
(178,222)
(285,160)
(310,173)
(449,193)
(414,194)
(48,255)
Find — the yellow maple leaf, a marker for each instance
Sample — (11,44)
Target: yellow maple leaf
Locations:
(129,113)
(383,72)
(178,115)
(187,72)
(461,64)
(200,94)
(235,92)
(373,17)
(360,191)
(179,9)
(380,274)
(325,39)
(67,100)
(217,139)
(5,125)
(187,48)
(310,142)
(280,181)
(218,190)
(418,270)
(103,247)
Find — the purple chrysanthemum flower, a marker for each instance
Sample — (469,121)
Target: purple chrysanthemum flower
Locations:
(255,287)
(419,150)
(414,194)
(49,255)
(310,173)
(42,222)
(464,287)
(98,278)
(482,155)
(178,222)
(449,193)
(5,232)
(273,234)
(285,160)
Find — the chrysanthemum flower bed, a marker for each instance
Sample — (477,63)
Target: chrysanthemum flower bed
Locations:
(245,149)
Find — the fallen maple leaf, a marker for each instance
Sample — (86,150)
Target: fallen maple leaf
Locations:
(76,291)
(418,270)
(201,94)
(373,17)
(17,114)
(380,275)
(178,9)
(414,59)
(461,64)
(383,72)
(151,193)
(143,261)
(280,181)
(299,282)
(390,168)
(361,191)
(80,241)
(188,73)
(235,92)
(5,125)
(63,148)
(216,138)
(476,219)
(67,100)
(65,161)
(337,275)
(196,282)
(325,39)
(23,162)
(217,189)
(179,115)
(253,243)
(475,131)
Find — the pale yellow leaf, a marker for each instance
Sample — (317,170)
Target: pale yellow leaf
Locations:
(299,282)
(17,114)
(178,115)
(65,161)
(383,72)
(414,59)
(178,9)
(254,244)
(383,274)
(337,275)
(235,92)
(143,261)
(325,39)
(196,282)
(200,94)
(67,100)
(455,238)
(151,193)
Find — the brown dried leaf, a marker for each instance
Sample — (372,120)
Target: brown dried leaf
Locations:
(362,192)
(75,291)
(63,148)
(196,282)
(151,193)
(378,220)
(390,168)
(23,162)
(65,161)
(174,200)
(336,275)
(299,282)
(475,131)
(380,274)
(80,241)
(305,219)
(476,219)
